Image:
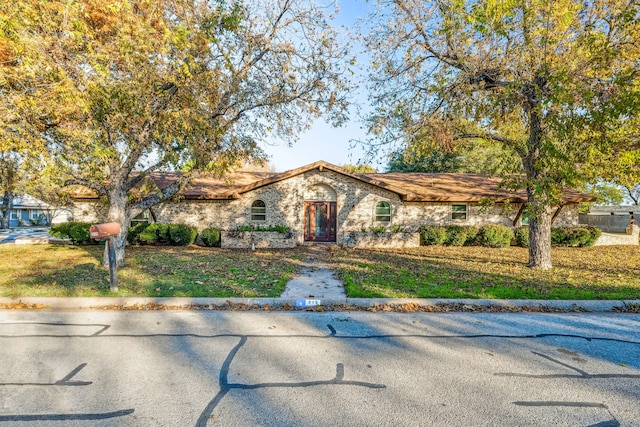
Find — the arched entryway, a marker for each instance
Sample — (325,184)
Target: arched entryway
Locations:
(320,214)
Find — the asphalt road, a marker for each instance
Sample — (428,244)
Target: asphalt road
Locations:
(197,368)
(24,235)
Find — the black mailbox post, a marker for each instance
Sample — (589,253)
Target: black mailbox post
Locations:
(108,232)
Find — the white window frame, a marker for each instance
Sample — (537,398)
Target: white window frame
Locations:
(376,215)
(455,213)
(146,218)
(254,215)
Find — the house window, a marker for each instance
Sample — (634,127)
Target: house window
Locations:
(14,214)
(34,214)
(141,218)
(524,218)
(459,212)
(383,212)
(258,211)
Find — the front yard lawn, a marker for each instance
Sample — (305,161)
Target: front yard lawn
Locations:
(610,272)
(604,272)
(51,270)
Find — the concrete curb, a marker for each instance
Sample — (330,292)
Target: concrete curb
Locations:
(77,303)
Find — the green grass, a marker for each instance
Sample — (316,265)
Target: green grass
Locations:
(476,272)
(50,270)
(426,272)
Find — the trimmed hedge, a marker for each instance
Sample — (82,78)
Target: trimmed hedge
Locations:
(495,236)
(472,235)
(211,237)
(456,235)
(521,235)
(182,234)
(574,236)
(162,234)
(78,232)
(432,235)
(133,235)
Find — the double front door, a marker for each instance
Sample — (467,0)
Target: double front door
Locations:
(320,221)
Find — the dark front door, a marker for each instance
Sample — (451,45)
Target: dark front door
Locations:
(320,221)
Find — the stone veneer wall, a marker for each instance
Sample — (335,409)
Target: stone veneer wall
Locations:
(257,239)
(284,200)
(89,211)
(356,239)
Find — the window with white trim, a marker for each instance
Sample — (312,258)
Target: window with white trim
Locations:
(258,211)
(459,212)
(141,218)
(383,212)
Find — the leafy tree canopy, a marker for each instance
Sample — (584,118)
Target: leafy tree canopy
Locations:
(360,168)
(118,89)
(550,80)
(490,159)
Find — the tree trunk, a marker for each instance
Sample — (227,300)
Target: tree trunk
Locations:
(7,204)
(118,213)
(540,235)
(537,192)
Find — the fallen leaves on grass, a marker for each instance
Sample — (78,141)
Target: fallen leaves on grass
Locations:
(382,308)
(477,272)
(36,270)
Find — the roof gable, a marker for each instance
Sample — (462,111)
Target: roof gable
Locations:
(320,165)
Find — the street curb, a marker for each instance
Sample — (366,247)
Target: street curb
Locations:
(118,303)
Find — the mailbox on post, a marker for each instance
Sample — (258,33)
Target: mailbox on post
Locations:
(104,231)
(107,232)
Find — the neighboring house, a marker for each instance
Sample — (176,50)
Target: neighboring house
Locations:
(26,210)
(613,219)
(321,202)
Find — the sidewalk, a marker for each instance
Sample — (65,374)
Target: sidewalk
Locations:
(323,304)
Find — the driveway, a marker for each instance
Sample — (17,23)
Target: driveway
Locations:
(197,368)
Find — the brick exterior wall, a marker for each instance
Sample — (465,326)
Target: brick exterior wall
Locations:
(356,204)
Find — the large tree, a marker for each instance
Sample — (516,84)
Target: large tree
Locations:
(542,77)
(187,85)
(23,108)
(479,157)
(619,163)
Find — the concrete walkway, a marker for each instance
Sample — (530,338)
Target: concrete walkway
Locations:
(315,280)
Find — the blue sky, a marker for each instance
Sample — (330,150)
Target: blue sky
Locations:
(322,141)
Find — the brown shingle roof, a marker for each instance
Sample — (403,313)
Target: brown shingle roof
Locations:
(463,187)
(418,187)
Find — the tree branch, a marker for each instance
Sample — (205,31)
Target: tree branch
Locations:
(486,135)
(163,195)
(100,189)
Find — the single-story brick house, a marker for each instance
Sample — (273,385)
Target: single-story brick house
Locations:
(321,202)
